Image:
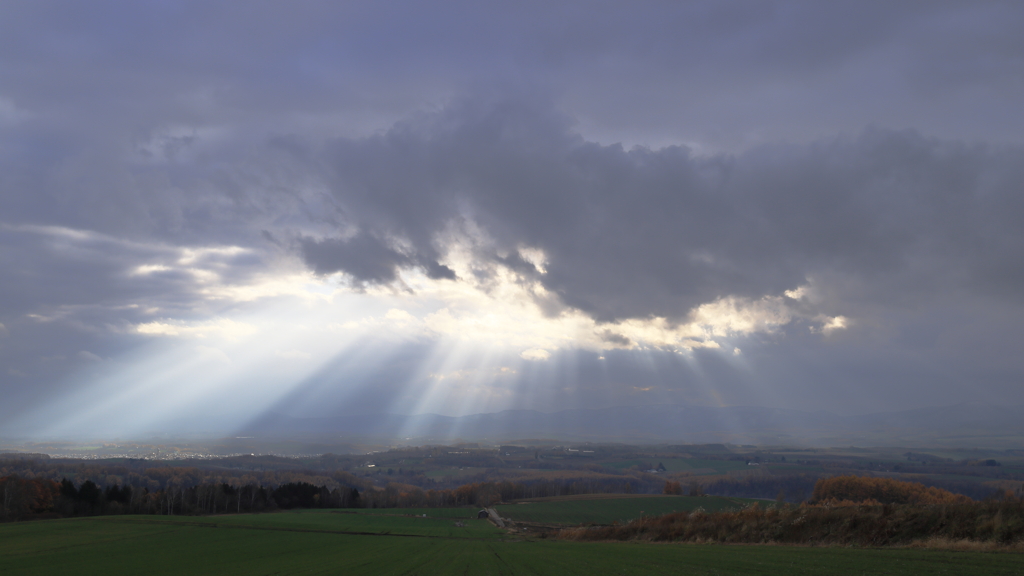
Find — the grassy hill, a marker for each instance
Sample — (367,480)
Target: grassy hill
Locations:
(397,542)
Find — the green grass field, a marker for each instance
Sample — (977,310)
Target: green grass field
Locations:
(398,522)
(572,511)
(430,512)
(791,468)
(324,542)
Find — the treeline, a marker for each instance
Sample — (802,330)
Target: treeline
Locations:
(22,498)
(796,488)
(241,471)
(38,498)
(157,476)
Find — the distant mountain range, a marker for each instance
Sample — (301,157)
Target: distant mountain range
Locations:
(962,425)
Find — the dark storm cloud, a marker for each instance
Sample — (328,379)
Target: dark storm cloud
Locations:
(52,268)
(888,217)
(365,258)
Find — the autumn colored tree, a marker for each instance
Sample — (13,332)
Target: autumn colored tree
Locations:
(20,497)
(881,490)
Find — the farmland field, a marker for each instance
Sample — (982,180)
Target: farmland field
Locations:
(324,542)
(453,472)
(695,465)
(792,468)
(577,510)
(464,512)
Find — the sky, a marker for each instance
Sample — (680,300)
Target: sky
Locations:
(214,210)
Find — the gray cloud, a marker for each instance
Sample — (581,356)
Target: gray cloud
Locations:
(885,216)
(366,259)
(872,151)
